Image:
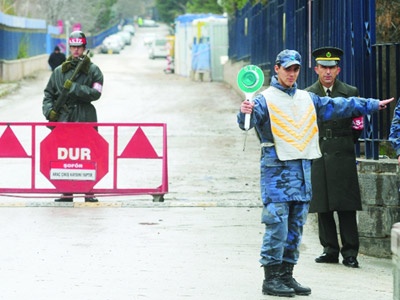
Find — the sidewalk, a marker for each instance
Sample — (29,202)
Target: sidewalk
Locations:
(6,88)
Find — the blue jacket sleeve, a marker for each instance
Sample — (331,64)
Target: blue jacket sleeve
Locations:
(394,135)
(335,108)
(259,114)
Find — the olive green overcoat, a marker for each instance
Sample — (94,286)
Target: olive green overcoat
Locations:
(334,176)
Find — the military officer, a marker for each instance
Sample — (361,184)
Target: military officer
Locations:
(334,175)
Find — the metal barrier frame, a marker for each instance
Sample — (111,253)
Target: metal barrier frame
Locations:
(157,193)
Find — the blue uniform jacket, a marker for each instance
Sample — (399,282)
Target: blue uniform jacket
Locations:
(290,180)
(394,136)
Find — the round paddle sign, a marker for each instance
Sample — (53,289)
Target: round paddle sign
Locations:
(250,79)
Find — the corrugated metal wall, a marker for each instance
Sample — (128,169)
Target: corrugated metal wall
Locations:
(219,48)
(214,31)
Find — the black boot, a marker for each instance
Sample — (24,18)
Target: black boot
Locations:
(90,198)
(65,198)
(287,278)
(273,284)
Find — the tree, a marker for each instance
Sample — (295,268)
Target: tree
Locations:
(230,6)
(94,15)
(387,21)
(168,10)
(7,7)
(106,16)
(129,8)
(204,6)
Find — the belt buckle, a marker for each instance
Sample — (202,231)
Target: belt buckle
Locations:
(328,133)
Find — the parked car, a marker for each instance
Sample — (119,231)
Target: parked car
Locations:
(158,48)
(126,37)
(149,23)
(111,45)
(118,38)
(148,38)
(130,28)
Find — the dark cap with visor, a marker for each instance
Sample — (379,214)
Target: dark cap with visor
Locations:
(327,56)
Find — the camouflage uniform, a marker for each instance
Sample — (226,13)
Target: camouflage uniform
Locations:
(286,185)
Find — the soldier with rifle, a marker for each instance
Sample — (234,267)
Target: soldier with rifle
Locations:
(70,91)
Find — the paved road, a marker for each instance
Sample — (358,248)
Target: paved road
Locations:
(201,243)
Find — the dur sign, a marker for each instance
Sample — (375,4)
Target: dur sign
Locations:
(74,157)
(73,153)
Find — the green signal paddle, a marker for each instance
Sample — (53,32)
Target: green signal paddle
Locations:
(249,80)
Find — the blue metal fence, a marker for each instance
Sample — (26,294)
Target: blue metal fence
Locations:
(387,77)
(23,37)
(20,44)
(258,32)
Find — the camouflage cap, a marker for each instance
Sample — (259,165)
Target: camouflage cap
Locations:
(287,58)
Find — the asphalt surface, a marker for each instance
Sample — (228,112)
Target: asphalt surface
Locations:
(202,242)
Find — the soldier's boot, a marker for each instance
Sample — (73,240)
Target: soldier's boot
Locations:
(273,284)
(288,280)
(65,198)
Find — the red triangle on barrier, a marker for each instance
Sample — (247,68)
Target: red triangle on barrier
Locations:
(10,146)
(139,147)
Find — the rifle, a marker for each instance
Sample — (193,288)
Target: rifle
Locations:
(62,99)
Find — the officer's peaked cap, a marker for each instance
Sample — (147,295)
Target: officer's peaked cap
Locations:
(327,56)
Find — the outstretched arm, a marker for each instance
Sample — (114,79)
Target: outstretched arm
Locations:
(383,103)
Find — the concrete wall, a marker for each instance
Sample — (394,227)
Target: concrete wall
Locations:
(13,70)
(379,184)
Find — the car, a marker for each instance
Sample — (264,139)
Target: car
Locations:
(148,38)
(126,37)
(130,28)
(149,23)
(111,45)
(158,48)
(117,38)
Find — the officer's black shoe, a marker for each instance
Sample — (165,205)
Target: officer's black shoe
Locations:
(327,258)
(273,285)
(288,280)
(91,199)
(65,198)
(350,262)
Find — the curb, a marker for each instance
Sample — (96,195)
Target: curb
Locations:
(133,204)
